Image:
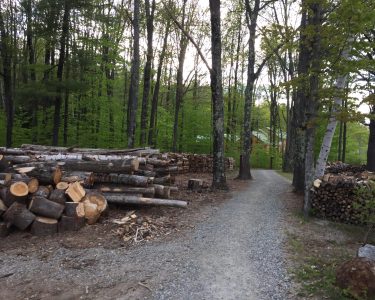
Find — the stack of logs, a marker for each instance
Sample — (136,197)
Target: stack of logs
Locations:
(333,195)
(201,163)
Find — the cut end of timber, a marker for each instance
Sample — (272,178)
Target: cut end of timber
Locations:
(33,185)
(19,189)
(57,175)
(25,170)
(76,192)
(62,185)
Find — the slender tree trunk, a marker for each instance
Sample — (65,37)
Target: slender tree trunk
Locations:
(60,67)
(134,80)
(147,70)
(219,179)
(66,101)
(371,143)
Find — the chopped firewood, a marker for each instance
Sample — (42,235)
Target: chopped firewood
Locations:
(42,191)
(76,192)
(92,212)
(162,191)
(98,199)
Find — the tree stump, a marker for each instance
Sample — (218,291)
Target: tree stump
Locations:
(46,208)
(19,216)
(44,226)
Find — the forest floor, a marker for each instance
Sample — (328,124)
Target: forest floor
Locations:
(243,244)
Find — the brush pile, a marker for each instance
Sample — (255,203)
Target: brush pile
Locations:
(333,195)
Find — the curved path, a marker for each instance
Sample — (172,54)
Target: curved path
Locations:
(235,254)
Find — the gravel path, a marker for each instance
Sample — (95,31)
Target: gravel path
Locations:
(235,254)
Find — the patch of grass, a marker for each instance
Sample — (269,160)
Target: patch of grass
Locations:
(288,176)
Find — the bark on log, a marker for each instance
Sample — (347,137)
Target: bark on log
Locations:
(131,200)
(70,223)
(4,229)
(98,199)
(58,196)
(173,189)
(133,180)
(92,212)
(42,191)
(145,173)
(86,178)
(46,208)
(74,209)
(115,166)
(166,180)
(44,226)
(3,207)
(6,177)
(162,191)
(75,192)
(4,163)
(146,192)
(19,216)
(4,195)
(48,175)
(18,191)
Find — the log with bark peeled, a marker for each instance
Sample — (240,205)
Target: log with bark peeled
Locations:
(132,200)
(3,207)
(44,226)
(114,166)
(47,175)
(145,191)
(18,215)
(76,192)
(46,208)
(67,223)
(58,196)
(132,180)
(18,191)
(74,209)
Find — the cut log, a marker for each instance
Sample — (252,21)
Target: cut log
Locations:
(32,183)
(74,209)
(133,180)
(42,191)
(47,175)
(75,192)
(18,191)
(92,212)
(3,207)
(86,178)
(145,173)
(146,192)
(58,196)
(4,163)
(167,170)
(4,229)
(132,200)
(62,185)
(19,216)
(195,184)
(70,223)
(44,226)
(158,162)
(165,180)
(46,208)
(98,199)
(114,166)
(162,191)
(4,195)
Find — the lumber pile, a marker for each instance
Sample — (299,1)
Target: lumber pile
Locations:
(333,195)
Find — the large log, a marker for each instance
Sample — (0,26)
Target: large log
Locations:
(145,191)
(58,196)
(133,180)
(92,212)
(70,223)
(32,183)
(19,216)
(115,166)
(132,200)
(46,208)
(46,175)
(44,226)
(18,191)
(96,198)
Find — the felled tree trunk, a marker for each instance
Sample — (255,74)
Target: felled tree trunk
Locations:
(145,191)
(132,200)
(114,166)
(133,180)
(47,175)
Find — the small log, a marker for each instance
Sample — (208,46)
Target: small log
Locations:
(46,208)
(132,200)
(114,166)
(158,163)
(42,191)
(146,192)
(75,192)
(58,196)
(195,184)
(98,199)
(44,226)
(70,223)
(19,216)
(4,229)
(133,180)
(3,207)
(18,191)
(74,209)
(162,191)
(62,185)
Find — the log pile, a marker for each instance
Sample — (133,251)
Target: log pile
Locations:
(333,195)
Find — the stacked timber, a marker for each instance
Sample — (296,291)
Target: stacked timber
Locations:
(333,195)
(200,163)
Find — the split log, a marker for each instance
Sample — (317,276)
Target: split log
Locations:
(4,229)
(146,191)
(3,207)
(98,199)
(195,184)
(46,208)
(70,223)
(47,175)
(133,180)
(92,212)
(19,216)
(62,185)
(115,166)
(162,191)
(86,178)
(74,209)
(132,200)
(58,196)
(42,191)
(44,226)
(18,191)
(75,192)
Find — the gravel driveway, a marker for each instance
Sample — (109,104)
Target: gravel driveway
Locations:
(236,254)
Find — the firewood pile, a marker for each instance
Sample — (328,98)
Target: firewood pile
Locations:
(343,168)
(201,163)
(333,195)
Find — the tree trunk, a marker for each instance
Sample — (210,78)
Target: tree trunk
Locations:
(134,200)
(371,143)
(134,79)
